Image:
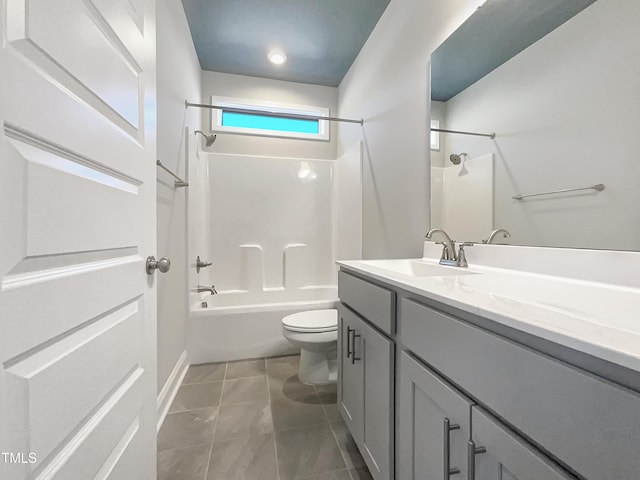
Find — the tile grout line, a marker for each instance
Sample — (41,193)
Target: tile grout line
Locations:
(197,408)
(342,453)
(215,426)
(275,446)
(335,438)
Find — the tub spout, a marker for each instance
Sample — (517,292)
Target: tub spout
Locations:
(202,288)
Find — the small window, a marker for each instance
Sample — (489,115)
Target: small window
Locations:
(274,122)
(435,136)
(269,122)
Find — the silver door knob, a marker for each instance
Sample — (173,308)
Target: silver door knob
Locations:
(164,264)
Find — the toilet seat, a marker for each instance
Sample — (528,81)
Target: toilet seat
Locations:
(312,321)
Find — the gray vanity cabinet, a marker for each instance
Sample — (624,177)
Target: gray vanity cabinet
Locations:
(365,393)
(586,422)
(433,425)
(470,403)
(440,430)
(494,453)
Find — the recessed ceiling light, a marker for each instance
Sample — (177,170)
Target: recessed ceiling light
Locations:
(277,57)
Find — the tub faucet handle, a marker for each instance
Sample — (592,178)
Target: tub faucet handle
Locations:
(201,264)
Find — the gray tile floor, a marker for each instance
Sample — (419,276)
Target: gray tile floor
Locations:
(253,420)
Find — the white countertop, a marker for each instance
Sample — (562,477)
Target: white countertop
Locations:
(599,319)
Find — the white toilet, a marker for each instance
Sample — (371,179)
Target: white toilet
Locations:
(316,333)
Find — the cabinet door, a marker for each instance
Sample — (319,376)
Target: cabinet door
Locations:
(495,453)
(350,373)
(433,425)
(376,354)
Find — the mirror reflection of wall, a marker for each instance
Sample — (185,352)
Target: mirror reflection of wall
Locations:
(566,112)
(464,185)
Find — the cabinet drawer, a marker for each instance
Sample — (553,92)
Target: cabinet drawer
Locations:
(374,303)
(589,424)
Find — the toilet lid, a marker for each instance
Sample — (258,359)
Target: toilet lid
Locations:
(312,321)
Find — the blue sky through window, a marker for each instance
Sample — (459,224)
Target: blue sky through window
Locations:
(265,122)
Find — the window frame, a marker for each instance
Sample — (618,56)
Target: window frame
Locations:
(269,107)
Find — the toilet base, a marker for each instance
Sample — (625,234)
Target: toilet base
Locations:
(317,368)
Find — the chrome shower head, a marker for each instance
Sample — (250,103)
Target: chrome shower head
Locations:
(455,158)
(209,139)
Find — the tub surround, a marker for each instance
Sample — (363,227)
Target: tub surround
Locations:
(271,257)
(586,300)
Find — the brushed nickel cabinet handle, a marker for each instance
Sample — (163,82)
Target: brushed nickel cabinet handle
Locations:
(472,451)
(349,332)
(354,359)
(446,461)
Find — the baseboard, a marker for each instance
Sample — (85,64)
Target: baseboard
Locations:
(168,392)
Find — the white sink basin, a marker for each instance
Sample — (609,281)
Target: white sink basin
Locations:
(417,268)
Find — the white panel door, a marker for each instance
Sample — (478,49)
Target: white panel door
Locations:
(77,220)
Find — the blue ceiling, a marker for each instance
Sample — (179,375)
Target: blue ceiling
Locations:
(496,32)
(321,38)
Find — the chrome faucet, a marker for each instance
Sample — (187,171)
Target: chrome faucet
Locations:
(494,234)
(449,251)
(202,288)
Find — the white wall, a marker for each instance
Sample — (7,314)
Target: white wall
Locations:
(566,114)
(388,86)
(253,88)
(178,79)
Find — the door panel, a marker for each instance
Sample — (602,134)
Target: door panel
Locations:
(424,403)
(81,191)
(77,216)
(350,376)
(88,354)
(376,356)
(95,56)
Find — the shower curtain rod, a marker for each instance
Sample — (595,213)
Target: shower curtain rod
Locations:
(271,114)
(444,130)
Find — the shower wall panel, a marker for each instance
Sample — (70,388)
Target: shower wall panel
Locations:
(270,222)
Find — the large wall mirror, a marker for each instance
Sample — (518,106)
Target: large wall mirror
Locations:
(558,81)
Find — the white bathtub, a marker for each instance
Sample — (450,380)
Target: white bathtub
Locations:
(238,324)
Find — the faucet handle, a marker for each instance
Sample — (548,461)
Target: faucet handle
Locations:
(201,264)
(445,254)
(462,258)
